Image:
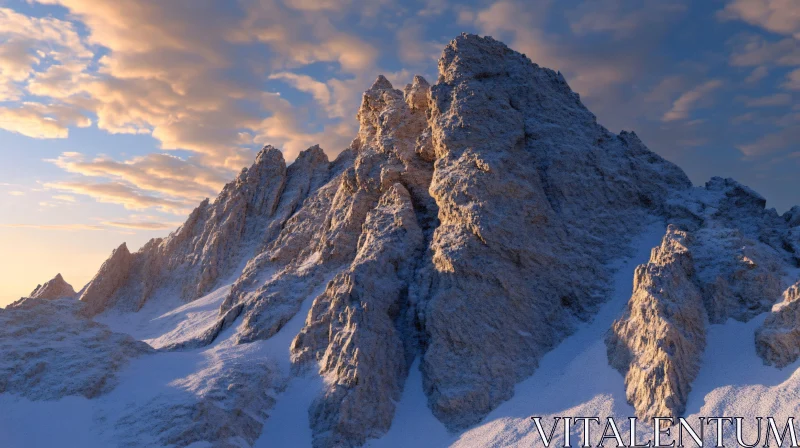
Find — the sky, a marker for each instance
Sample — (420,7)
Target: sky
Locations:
(117,117)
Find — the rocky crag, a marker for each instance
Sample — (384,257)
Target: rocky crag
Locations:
(728,261)
(469,224)
(55,288)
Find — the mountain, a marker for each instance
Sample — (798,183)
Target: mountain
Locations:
(471,233)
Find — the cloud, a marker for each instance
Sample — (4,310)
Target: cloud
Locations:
(772,143)
(70,227)
(31,123)
(778,16)
(64,197)
(792,80)
(757,74)
(619,17)
(16,193)
(155,173)
(105,225)
(123,194)
(778,99)
(164,69)
(594,70)
(687,101)
(142,225)
(319,90)
(750,50)
(411,48)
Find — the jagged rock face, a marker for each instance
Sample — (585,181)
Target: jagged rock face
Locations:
(352,328)
(733,262)
(740,277)
(792,217)
(49,351)
(205,248)
(225,405)
(778,338)
(113,274)
(520,163)
(55,288)
(658,343)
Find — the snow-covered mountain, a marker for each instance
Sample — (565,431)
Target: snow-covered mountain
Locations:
(464,264)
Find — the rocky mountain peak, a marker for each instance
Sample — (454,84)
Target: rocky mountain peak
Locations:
(381,83)
(55,288)
(472,225)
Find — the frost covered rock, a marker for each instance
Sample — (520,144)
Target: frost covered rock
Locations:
(49,351)
(520,165)
(352,329)
(793,216)
(190,261)
(112,275)
(55,288)
(224,405)
(778,338)
(737,262)
(658,343)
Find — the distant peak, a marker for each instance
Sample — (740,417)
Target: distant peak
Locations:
(419,81)
(311,153)
(381,84)
(269,154)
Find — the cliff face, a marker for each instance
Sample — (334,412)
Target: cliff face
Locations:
(659,341)
(470,224)
(728,262)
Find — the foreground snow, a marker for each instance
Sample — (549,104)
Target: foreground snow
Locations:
(573,379)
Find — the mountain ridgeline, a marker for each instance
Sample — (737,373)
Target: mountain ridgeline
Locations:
(470,224)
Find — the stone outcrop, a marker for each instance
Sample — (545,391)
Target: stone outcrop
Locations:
(657,344)
(737,260)
(49,351)
(353,332)
(778,338)
(56,288)
(520,163)
(113,274)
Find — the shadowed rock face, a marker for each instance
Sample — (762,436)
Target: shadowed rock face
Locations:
(778,338)
(658,342)
(470,223)
(520,166)
(729,264)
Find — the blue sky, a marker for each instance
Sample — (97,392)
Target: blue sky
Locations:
(117,117)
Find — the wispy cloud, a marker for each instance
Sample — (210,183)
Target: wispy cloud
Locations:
(778,16)
(778,99)
(105,225)
(125,195)
(683,106)
(69,227)
(142,225)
